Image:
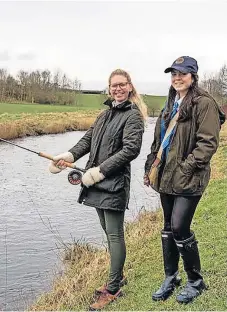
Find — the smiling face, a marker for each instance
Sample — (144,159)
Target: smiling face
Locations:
(119,88)
(181,82)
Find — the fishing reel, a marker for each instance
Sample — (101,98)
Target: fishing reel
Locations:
(74,177)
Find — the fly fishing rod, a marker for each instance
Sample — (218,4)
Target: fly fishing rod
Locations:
(74,177)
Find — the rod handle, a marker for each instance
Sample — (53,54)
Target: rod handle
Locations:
(44,155)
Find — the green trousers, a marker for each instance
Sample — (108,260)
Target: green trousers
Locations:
(112,223)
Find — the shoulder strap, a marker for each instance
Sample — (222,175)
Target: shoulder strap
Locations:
(168,131)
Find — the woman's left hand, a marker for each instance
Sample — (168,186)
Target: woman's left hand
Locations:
(92,176)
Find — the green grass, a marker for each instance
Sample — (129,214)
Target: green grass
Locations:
(146,274)
(209,225)
(82,102)
(154,103)
(8,108)
(144,264)
(87,269)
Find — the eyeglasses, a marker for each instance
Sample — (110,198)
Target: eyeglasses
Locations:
(121,85)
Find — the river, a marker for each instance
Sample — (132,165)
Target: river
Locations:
(39,212)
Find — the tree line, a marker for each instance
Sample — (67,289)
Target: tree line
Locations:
(41,87)
(45,87)
(216,85)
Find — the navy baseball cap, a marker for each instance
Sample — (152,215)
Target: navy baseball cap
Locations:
(184,64)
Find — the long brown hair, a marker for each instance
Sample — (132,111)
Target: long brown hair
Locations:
(134,96)
(188,102)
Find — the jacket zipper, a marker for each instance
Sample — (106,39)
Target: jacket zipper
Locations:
(98,143)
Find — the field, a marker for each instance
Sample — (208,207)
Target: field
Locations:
(84,102)
(24,119)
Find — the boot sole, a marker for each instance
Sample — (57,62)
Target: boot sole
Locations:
(121,294)
(168,294)
(164,297)
(186,301)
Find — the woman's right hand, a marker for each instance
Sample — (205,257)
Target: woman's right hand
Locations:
(146,180)
(57,165)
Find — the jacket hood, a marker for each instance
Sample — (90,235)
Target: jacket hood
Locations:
(222,115)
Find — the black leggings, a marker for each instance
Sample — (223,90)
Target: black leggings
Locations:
(178,214)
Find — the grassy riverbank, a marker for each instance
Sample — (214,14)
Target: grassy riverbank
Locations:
(87,267)
(45,123)
(24,119)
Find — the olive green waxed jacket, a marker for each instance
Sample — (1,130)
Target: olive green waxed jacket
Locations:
(112,142)
(187,168)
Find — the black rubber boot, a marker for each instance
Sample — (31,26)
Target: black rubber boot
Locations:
(190,255)
(171,259)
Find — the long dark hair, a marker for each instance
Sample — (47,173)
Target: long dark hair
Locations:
(185,112)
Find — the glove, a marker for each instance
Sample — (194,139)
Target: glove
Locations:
(146,180)
(57,165)
(92,176)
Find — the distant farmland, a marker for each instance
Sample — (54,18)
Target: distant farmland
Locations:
(86,102)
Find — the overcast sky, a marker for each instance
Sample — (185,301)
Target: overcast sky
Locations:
(88,40)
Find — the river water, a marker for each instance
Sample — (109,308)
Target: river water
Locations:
(39,212)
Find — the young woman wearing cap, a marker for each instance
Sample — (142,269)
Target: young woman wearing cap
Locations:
(180,156)
(113,142)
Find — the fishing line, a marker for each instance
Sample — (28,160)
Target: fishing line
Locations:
(50,228)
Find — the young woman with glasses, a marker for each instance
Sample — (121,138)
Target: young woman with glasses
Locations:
(113,141)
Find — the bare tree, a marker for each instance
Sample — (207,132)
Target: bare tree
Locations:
(39,87)
(223,83)
(3,78)
(216,85)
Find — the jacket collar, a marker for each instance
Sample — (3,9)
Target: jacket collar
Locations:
(124,105)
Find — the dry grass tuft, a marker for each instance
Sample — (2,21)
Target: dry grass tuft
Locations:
(223,135)
(87,267)
(84,266)
(218,163)
(46,123)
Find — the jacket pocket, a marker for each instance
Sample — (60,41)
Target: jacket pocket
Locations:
(185,182)
(111,184)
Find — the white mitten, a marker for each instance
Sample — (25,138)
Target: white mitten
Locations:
(92,176)
(53,168)
(67,156)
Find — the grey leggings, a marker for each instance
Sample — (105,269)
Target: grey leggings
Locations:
(112,223)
